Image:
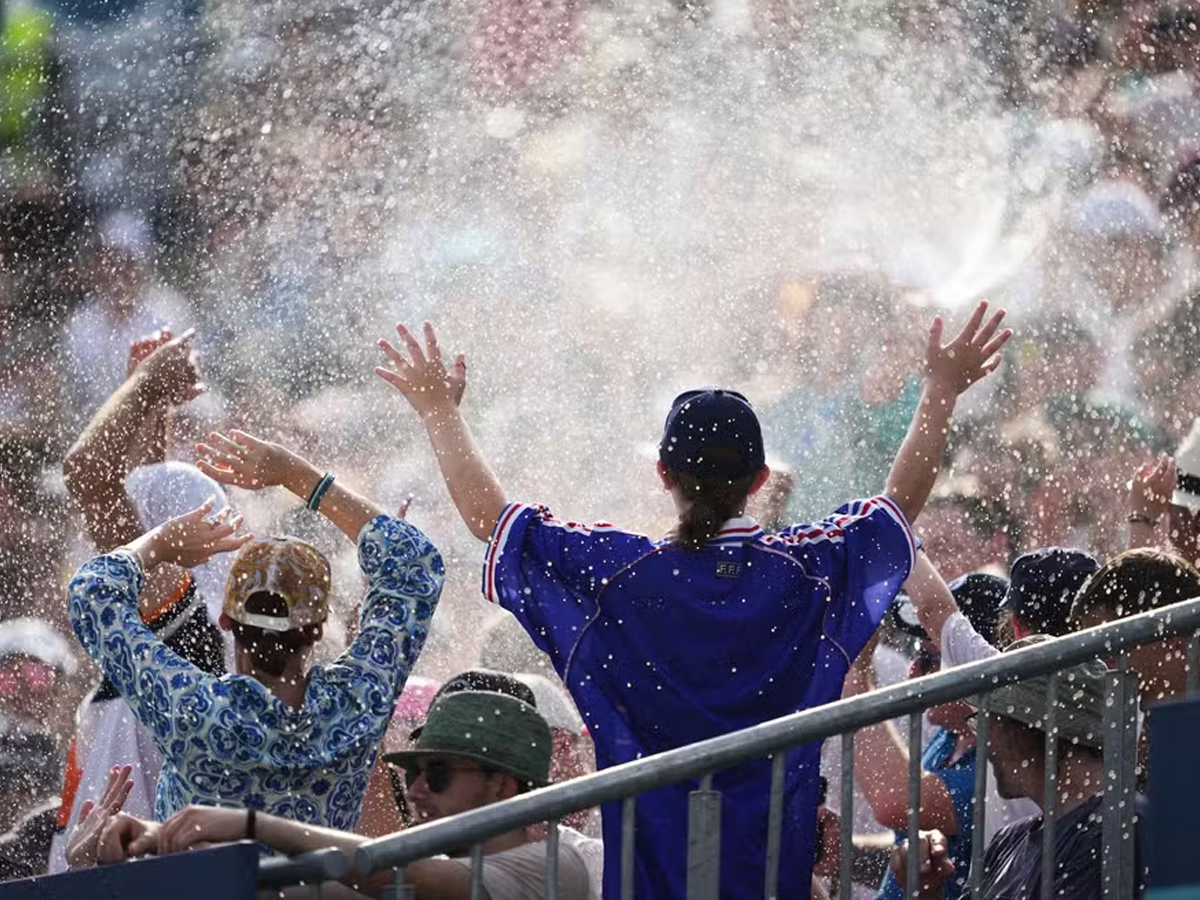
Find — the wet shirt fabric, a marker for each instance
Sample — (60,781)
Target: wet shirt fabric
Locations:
(662,647)
(228,741)
(1012,863)
(959,779)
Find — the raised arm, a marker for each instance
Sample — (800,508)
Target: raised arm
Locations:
(128,431)
(881,765)
(949,370)
(249,462)
(1150,499)
(113,443)
(435,394)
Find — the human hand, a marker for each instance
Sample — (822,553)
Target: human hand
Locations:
(934,865)
(141,348)
(171,371)
(126,837)
(970,356)
(1151,490)
(243,460)
(84,843)
(422,377)
(201,825)
(191,539)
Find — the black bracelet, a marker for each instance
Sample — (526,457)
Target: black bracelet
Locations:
(250,824)
(1144,519)
(314,499)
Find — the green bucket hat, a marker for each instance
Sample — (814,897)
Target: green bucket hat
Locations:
(1079,712)
(499,731)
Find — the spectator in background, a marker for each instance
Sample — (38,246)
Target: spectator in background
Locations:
(123,302)
(1012,863)
(1180,204)
(279,736)
(1136,581)
(1041,588)
(474,749)
(881,756)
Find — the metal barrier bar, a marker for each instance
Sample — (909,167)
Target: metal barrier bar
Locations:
(477,872)
(1193,664)
(914,803)
(979,801)
(552,861)
(704,845)
(619,782)
(775,825)
(846,836)
(1050,798)
(329,864)
(628,824)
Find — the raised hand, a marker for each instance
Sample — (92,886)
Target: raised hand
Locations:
(1151,490)
(141,348)
(172,372)
(197,825)
(421,376)
(191,539)
(933,856)
(970,356)
(243,460)
(84,844)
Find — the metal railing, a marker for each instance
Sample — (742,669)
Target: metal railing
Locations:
(700,761)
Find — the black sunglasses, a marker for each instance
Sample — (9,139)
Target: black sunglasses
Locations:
(438,774)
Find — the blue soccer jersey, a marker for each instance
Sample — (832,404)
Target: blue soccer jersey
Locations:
(661,647)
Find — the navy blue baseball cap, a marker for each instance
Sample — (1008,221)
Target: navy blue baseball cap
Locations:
(1042,585)
(979,597)
(712,434)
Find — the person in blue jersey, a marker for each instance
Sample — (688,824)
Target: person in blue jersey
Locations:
(716,627)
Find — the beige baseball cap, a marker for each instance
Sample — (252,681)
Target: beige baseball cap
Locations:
(287,567)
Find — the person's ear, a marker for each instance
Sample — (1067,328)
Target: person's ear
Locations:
(760,479)
(225,622)
(664,475)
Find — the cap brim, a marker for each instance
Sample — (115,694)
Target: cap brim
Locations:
(1188,501)
(405,758)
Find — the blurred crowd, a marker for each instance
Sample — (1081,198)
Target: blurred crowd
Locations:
(290,178)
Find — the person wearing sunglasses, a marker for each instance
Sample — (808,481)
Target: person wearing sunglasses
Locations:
(475,748)
(719,625)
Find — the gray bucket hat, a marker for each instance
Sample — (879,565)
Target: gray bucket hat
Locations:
(497,730)
(1079,712)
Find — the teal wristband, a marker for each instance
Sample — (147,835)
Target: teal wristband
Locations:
(314,499)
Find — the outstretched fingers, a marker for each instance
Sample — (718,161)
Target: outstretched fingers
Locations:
(414,348)
(972,327)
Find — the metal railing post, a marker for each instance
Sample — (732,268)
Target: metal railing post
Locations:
(704,843)
(846,835)
(477,872)
(775,825)
(979,808)
(628,824)
(914,803)
(1050,797)
(1120,760)
(552,860)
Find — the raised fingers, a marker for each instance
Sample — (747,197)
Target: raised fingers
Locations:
(972,327)
(431,343)
(414,348)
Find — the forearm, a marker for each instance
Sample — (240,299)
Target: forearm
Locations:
(931,598)
(473,487)
(96,465)
(917,463)
(349,511)
(881,771)
(292,838)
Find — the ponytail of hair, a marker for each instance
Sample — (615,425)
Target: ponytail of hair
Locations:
(707,505)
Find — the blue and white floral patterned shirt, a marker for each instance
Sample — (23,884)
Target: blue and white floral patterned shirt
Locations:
(229,741)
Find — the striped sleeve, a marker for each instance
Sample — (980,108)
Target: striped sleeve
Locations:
(864,551)
(548,572)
